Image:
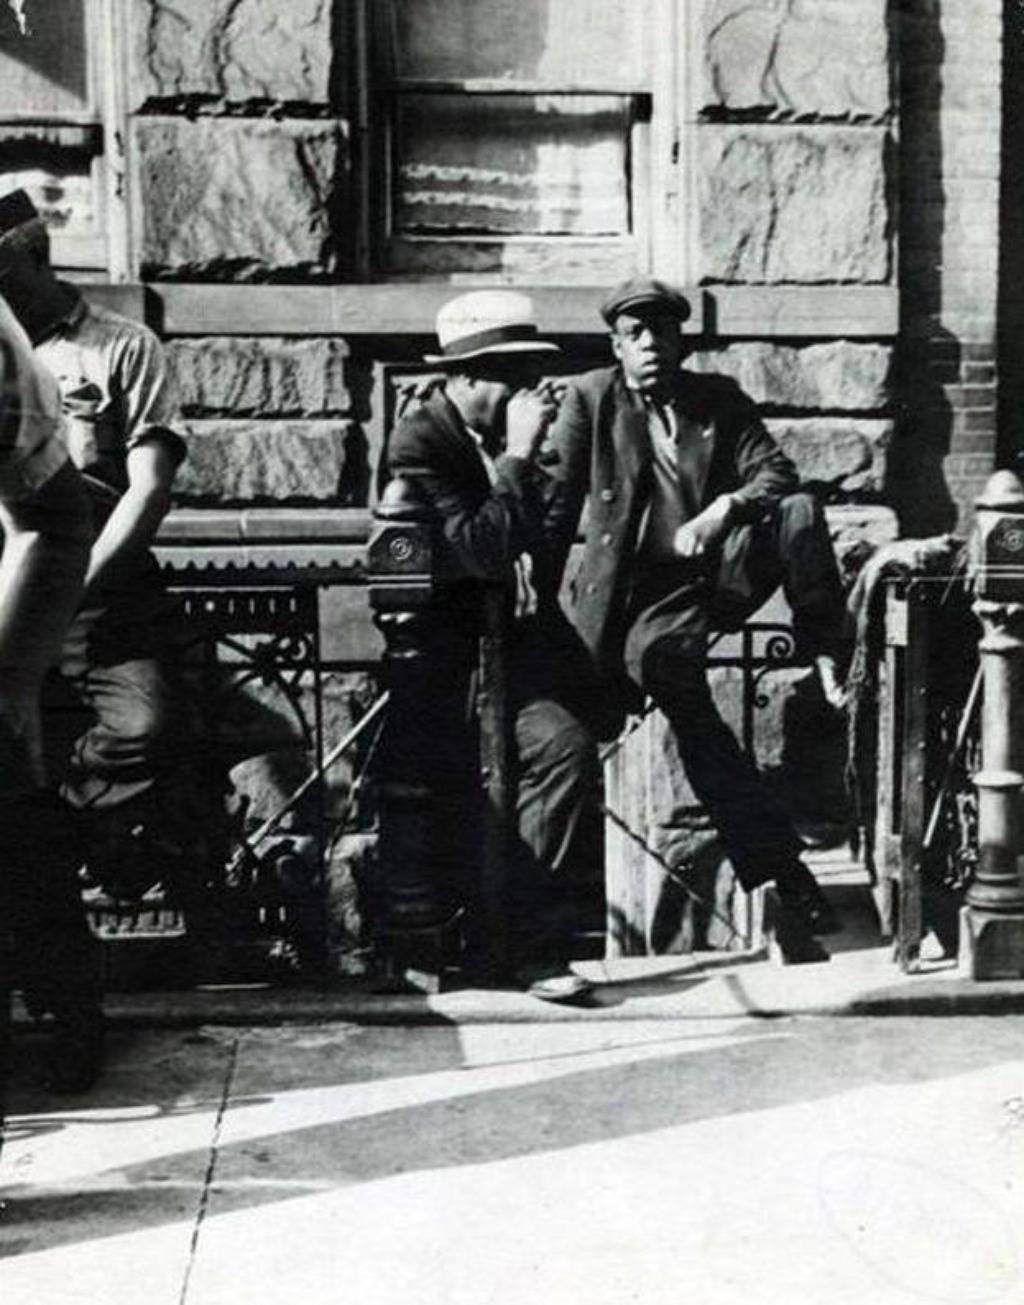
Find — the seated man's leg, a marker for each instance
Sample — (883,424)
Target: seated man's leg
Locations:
(790,547)
(754,826)
(810,577)
(120,756)
(665,656)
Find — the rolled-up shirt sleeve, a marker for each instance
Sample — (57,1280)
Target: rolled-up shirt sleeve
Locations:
(147,395)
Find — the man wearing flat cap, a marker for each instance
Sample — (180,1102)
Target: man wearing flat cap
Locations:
(119,417)
(471,452)
(695,517)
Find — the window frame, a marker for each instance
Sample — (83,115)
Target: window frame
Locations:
(661,169)
(102,128)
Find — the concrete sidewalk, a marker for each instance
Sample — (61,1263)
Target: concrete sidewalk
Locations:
(862,978)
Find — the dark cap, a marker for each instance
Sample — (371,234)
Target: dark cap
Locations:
(15,210)
(644,292)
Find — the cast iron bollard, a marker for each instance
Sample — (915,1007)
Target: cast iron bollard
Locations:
(992,924)
(410,932)
(427,809)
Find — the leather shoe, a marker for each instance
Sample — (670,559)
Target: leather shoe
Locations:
(557,986)
(801,895)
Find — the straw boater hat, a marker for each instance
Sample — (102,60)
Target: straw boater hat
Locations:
(486,322)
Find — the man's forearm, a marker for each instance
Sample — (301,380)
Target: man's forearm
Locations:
(129,531)
(41,572)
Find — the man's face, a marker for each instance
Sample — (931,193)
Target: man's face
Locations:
(499,380)
(649,347)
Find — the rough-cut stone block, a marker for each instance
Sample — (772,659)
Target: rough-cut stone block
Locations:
(822,57)
(840,376)
(238,198)
(793,204)
(850,454)
(262,462)
(262,376)
(236,50)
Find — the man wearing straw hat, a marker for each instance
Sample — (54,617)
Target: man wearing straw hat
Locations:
(471,451)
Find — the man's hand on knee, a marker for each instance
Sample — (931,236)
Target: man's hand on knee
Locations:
(706,529)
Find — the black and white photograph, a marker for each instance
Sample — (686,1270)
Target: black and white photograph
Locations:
(511,652)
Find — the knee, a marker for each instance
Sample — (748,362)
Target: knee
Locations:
(570,748)
(563,747)
(675,668)
(142,721)
(800,509)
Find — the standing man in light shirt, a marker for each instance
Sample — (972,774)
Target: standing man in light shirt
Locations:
(696,517)
(120,413)
(46,525)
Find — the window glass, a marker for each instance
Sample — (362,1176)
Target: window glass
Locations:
(511,165)
(559,43)
(45,72)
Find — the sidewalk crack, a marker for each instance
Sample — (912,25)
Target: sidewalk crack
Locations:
(211,1169)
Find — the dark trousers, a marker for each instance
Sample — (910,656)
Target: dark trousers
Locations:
(556,862)
(49,950)
(677,607)
(113,667)
(554,850)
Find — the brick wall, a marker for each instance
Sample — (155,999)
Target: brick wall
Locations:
(950,55)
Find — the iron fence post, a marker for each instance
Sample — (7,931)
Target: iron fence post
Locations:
(992,923)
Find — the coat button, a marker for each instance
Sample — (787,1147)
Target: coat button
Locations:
(591,588)
(607,495)
(607,538)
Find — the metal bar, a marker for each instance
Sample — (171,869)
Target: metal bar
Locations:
(974,697)
(495,767)
(336,752)
(914,778)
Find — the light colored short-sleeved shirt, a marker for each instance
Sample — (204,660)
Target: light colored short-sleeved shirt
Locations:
(31,444)
(116,389)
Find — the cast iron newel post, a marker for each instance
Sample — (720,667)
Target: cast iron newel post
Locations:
(412,912)
(992,925)
(440,845)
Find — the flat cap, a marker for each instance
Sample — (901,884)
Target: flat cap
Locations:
(15,210)
(644,292)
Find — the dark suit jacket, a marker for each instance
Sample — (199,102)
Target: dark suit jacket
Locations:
(483,528)
(599,445)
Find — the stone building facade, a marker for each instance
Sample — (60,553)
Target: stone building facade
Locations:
(288,191)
